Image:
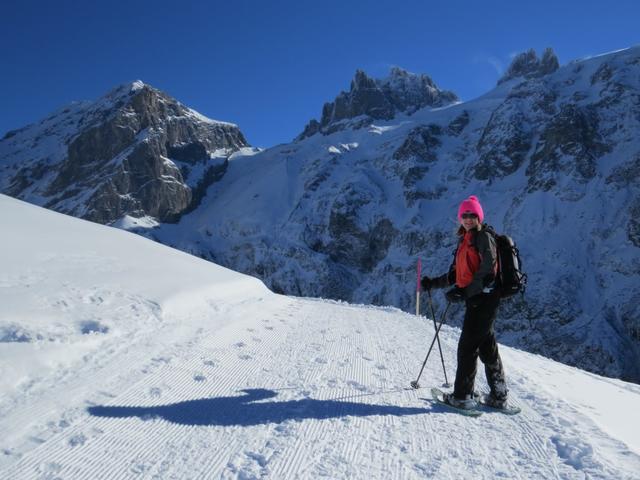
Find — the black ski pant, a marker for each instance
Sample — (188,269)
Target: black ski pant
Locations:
(478,339)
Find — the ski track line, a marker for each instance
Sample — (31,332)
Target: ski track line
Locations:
(335,353)
(224,387)
(297,453)
(341,347)
(38,413)
(572,443)
(303,451)
(129,397)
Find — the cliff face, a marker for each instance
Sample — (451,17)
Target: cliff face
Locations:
(371,99)
(135,152)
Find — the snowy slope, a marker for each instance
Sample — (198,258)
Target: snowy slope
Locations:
(126,359)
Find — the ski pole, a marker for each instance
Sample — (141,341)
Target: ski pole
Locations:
(433,315)
(418,288)
(415,383)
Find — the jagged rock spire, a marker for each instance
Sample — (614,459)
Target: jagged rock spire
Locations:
(528,65)
(380,99)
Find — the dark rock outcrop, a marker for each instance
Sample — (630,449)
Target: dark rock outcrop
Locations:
(528,65)
(569,144)
(134,152)
(378,100)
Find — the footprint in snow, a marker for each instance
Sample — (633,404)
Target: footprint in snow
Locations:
(357,386)
(48,470)
(198,377)
(209,363)
(256,339)
(244,357)
(240,344)
(155,392)
(77,440)
(161,359)
(268,328)
(259,459)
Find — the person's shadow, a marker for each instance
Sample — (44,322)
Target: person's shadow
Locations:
(244,411)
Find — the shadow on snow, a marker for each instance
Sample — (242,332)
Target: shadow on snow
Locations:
(242,411)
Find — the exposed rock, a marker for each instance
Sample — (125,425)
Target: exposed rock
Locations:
(135,150)
(420,143)
(458,124)
(527,65)
(627,173)
(504,144)
(633,227)
(571,144)
(378,100)
(408,92)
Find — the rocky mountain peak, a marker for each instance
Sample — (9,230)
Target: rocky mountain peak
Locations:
(401,79)
(139,151)
(378,99)
(361,81)
(127,89)
(528,65)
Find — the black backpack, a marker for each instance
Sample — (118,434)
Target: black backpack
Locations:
(511,279)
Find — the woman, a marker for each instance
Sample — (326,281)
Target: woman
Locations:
(473,273)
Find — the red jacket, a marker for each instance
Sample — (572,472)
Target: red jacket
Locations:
(475,264)
(467,261)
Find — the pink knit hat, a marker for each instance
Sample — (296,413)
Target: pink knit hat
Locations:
(471,205)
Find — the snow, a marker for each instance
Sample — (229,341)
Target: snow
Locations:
(379,130)
(120,357)
(245,152)
(137,85)
(129,223)
(191,112)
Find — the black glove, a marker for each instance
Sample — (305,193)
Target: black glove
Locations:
(426,283)
(476,300)
(455,295)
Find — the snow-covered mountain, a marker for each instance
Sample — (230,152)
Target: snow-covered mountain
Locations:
(136,152)
(554,158)
(346,209)
(122,358)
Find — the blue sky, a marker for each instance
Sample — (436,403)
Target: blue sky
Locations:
(269,66)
